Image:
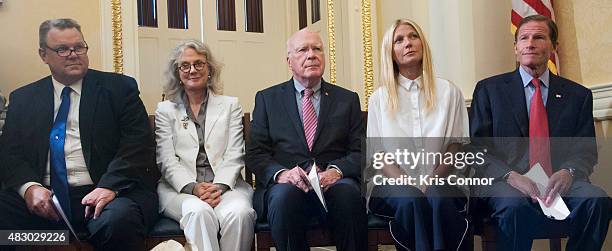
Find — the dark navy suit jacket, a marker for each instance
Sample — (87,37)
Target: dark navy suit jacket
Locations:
(277,136)
(116,138)
(499,110)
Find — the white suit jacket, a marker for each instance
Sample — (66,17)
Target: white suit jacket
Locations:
(177,145)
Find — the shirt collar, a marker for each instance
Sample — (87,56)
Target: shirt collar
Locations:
(544,78)
(408,83)
(299,87)
(185,100)
(58,87)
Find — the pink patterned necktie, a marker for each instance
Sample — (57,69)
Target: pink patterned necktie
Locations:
(309,117)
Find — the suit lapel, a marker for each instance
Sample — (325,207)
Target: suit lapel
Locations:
(214,107)
(556,91)
(327,98)
(516,100)
(89,100)
(292,111)
(44,103)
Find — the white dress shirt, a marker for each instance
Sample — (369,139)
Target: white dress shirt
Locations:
(432,130)
(78,175)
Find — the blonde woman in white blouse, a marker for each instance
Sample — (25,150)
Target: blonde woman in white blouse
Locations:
(428,113)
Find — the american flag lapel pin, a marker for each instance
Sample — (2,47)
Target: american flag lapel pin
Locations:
(558,95)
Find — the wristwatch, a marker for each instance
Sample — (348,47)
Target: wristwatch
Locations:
(572,171)
(505,177)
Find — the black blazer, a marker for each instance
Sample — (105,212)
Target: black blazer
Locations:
(499,110)
(115,135)
(277,136)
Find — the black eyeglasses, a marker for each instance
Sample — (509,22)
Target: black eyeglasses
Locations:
(186,67)
(64,51)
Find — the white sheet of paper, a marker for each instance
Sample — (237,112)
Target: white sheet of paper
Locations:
(313,177)
(60,211)
(557,210)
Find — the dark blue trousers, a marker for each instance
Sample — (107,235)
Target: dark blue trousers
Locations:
(519,220)
(436,220)
(289,209)
(122,225)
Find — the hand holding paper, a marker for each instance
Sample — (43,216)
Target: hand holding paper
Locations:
(524,184)
(295,176)
(559,183)
(328,178)
(38,201)
(557,209)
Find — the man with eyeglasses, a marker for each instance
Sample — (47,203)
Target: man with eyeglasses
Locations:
(297,124)
(82,136)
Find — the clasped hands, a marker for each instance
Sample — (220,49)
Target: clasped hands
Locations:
(208,192)
(298,177)
(38,201)
(559,183)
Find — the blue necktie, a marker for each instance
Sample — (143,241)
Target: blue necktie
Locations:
(59,177)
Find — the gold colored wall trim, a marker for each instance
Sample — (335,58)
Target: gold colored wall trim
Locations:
(332,40)
(117,36)
(368,64)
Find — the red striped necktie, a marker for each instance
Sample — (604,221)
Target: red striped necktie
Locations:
(539,145)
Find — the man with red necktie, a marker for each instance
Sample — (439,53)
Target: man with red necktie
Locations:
(556,115)
(295,124)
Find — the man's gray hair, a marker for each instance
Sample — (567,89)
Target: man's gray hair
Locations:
(60,23)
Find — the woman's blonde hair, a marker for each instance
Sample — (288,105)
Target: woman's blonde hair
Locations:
(172,86)
(389,70)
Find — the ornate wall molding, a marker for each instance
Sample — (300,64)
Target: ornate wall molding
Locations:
(602,101)
(332,40)
(366,35)
(117,36)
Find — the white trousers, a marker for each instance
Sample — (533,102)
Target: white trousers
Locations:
(233,219)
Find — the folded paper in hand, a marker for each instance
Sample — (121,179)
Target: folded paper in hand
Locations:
(60,212)
(313,177)
(557,210)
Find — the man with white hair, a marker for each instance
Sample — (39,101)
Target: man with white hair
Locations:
(297,123)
